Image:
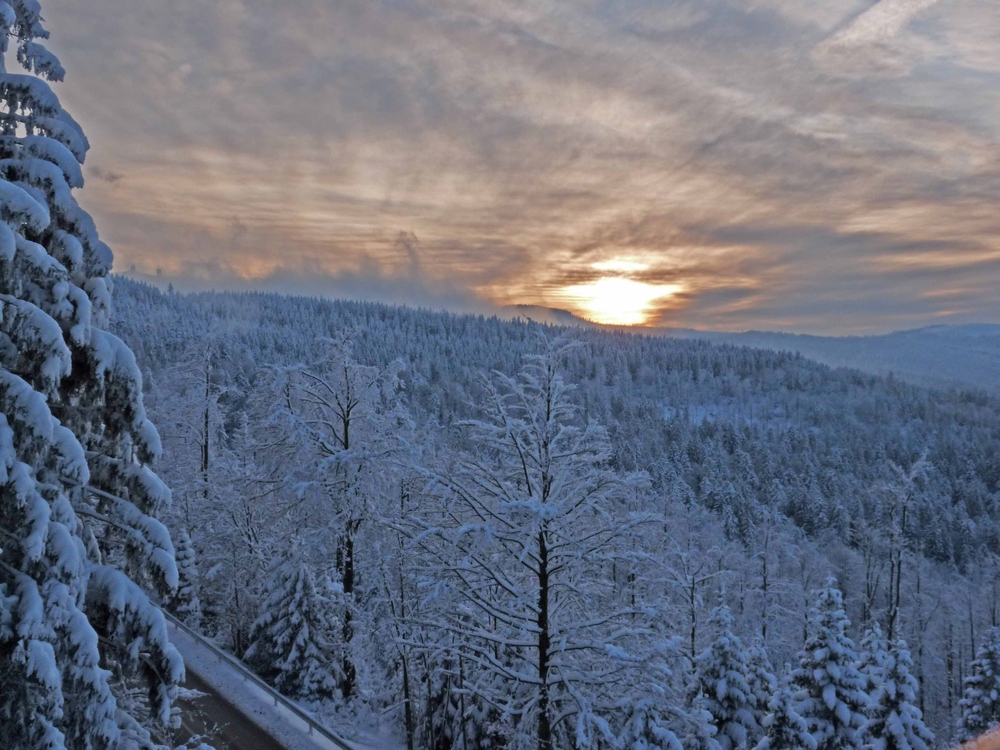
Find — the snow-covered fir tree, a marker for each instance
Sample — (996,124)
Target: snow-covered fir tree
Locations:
(895,720)
(873,657)
(290,640)
(980,704)
(763,684)
(695,730)
(186,603)
(78,501)
(830,693)
(646,727)
(722,687)
(784,728)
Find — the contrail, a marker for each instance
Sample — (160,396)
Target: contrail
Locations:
(879,23)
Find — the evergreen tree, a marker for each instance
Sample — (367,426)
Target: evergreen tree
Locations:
(871,664)
(78,501)
(722,687)
(830,690)
(784,728)
(873,658)
(186,603)
(695,730)
(980,704)
(896,722)
(763,684)
(289,641)
(646,728)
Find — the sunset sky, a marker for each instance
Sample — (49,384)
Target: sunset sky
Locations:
(828,166)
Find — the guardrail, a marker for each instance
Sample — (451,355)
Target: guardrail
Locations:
(278,698)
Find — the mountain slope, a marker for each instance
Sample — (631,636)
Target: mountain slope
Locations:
(966,356)
(941,356)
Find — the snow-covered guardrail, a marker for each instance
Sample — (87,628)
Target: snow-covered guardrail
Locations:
(279,700)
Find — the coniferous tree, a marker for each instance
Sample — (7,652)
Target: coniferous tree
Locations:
(896,723)
(186,603)
(647,728)
(873,657)
(78,501)
(784,728)
(980,703)
(290,638)
(830,689)
(722,686)
(695,730)
(763,684)
(871,663)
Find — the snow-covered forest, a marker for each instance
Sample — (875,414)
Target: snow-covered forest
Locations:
(458,531)
(495,534)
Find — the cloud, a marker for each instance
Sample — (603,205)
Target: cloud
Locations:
(104,174)
(371,281)
(880,23)
(873,44)
(760,155)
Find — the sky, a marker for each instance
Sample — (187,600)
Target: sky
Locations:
(824,166)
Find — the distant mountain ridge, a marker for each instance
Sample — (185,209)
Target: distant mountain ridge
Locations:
(964,356)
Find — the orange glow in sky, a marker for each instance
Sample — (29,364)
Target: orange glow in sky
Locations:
(611,300)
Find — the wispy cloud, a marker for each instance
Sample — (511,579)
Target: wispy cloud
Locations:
(814,165)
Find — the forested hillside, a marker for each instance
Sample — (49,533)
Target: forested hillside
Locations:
(494,533)
(942,356)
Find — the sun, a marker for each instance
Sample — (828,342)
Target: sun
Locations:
(612,300)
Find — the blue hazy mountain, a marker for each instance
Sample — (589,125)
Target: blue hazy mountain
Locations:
(966,356)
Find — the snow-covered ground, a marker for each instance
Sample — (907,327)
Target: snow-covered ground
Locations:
(256,704)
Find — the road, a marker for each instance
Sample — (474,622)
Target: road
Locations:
(218,722)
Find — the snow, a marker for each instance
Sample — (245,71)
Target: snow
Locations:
(39,60)
(30,92)
(63,132)
(7,16)
(17,201)
(55,152)
(36,335)
(251,700)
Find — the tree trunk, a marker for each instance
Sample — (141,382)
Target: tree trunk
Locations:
(949,666)
(204,442)
(544,727)
(692,602)
(764,588)
(350,673)
(407,705)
